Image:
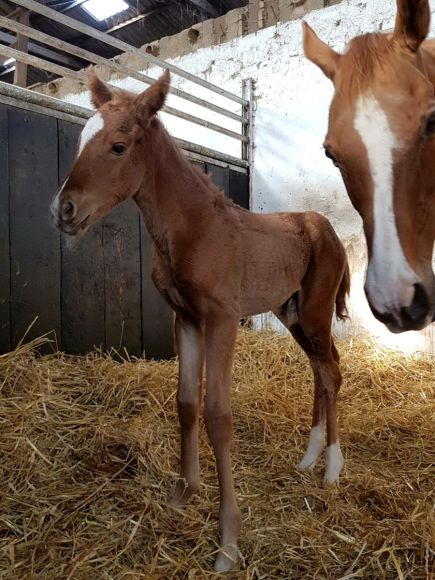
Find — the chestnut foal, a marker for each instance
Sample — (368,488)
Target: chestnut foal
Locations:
(214,263)
(381,137)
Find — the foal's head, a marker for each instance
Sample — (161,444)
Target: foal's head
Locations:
(381,137)
(109,164)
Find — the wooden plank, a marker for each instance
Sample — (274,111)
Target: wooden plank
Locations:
(5,274)
(20,75)
(35,243)
(220,177)
(157,316)
(199,164)
(239,188)
(82,297)
(121,236)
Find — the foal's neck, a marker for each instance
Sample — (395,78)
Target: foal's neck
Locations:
(428,52)
(174,196)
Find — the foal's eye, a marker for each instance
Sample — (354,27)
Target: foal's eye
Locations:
(330,156)
(118,148)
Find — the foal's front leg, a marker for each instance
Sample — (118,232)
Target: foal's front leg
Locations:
(190,345)
(220,338)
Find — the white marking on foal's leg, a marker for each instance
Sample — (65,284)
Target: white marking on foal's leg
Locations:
(316,444)
(390,280)
(92,127)
(334,462)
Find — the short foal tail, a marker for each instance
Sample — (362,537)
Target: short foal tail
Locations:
(342,294)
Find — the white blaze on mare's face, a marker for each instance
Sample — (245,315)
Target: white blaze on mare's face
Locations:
(92,127)
(390,280)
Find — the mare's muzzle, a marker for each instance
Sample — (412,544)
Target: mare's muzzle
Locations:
(413,317)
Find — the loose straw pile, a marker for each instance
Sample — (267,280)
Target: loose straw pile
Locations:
(89,452)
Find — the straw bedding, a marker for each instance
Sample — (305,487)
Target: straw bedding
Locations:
(88,456)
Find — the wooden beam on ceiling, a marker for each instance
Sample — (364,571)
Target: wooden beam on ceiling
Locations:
(205,6)
(42,51)
(73,4)
(133,20)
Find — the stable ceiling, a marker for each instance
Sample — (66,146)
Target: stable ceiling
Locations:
(143,22)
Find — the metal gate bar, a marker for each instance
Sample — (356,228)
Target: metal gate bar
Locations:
(23,98)
(24,30)
(244,118)
(123,46)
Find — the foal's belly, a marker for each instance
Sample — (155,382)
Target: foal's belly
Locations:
(275,260)
(267,290)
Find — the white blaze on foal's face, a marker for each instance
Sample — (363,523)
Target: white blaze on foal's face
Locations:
(94,125)
(390,280)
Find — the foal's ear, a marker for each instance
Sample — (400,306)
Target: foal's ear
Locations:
(320,53)
(412,22)
(152,100)
(100,92)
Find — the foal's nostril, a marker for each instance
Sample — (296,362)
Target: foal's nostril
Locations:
(68,211)
(419,307)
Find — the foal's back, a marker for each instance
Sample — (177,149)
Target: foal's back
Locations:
(276,251)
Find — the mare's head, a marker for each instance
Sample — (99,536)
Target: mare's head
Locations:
(109,166)
(381,137)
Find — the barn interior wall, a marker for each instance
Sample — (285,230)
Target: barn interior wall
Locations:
(290,171)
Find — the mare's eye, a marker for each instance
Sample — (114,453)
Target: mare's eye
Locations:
(330,156)
(118,148)
(428,126)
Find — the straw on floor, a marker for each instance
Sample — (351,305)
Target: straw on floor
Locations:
(88,458)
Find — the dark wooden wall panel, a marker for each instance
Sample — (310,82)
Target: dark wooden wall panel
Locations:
(122,275)
(220,177)
(35,244)
(5,278)
(96,291)
(82,299)
(239,188)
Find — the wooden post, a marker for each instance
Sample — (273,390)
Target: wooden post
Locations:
(22,44)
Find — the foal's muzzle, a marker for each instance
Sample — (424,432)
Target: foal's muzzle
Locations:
(65,218)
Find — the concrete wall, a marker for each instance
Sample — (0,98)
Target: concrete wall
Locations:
(290,171)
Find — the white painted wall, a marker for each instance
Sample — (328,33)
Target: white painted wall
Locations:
(290,171)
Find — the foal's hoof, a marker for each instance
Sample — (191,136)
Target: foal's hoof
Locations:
(182,494)
(227,559)
(306,464)
(334,463)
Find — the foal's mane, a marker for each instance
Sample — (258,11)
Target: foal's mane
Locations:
(191,174)
(167,150)
(365,55)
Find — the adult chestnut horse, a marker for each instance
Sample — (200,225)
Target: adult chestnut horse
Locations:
(381,137)
(214,263)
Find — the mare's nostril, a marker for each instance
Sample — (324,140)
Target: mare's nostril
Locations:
(68,211)
(419,307)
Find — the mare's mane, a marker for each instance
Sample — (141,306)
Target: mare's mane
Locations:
(365,55)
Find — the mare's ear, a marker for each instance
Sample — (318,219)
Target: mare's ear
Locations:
(320,53)
(100,92)
(152,100)
(412,22)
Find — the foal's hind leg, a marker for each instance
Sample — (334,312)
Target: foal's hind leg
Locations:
(317,329)
(312,331)
(190,346)
(316,442)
